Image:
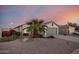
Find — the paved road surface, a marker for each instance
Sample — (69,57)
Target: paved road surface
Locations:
(38,46)
(68,37)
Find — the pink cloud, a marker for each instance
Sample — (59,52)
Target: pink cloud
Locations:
(60,14)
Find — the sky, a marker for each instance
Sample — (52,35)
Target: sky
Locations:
(14,15)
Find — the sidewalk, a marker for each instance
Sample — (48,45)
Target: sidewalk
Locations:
(67,37)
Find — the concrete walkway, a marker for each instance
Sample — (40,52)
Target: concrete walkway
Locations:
(68,37)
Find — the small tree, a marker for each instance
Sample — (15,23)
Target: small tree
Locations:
(72,24)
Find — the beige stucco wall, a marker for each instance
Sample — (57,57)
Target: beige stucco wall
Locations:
(24,30)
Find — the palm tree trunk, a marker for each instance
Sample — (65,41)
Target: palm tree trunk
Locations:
(35,33)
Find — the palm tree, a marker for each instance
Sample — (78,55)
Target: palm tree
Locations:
(35,27)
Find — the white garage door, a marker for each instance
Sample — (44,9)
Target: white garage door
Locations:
(51,31)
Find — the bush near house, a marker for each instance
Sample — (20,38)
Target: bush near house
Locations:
(6,34)
(9,35)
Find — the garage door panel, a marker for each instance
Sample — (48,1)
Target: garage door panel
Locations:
(51,31)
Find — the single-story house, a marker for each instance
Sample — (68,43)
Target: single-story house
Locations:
(53,29)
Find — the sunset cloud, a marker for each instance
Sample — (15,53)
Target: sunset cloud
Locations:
(21,14)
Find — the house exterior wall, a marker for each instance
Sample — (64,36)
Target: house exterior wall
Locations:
(51,31)
(22,28)
(18,29)
(52,25)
